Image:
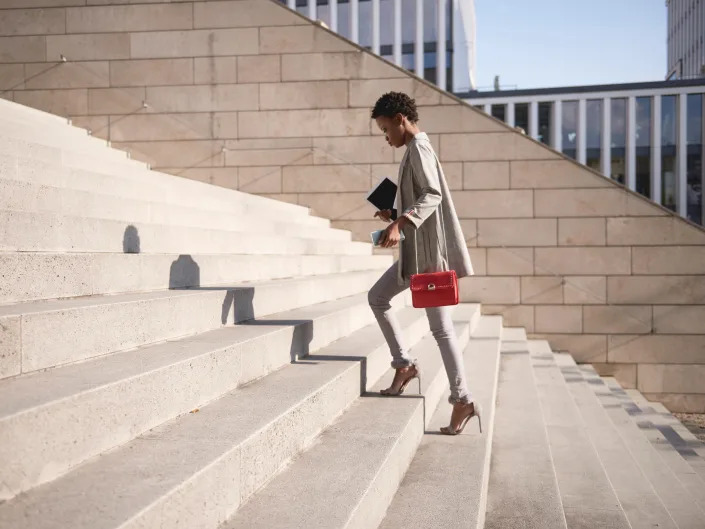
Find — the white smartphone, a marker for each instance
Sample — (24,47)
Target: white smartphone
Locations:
(375,235)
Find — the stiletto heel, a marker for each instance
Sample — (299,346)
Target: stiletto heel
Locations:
(419,377)
(390,393)
(476,412)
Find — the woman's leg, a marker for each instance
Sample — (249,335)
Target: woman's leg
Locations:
(379,298)
(439,318)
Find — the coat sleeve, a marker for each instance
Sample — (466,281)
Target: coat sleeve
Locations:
(425,174)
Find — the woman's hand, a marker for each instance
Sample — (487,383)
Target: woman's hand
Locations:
(384,214)
(392,235)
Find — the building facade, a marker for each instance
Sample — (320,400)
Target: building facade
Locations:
(686,39)
(433,38)
(647,136)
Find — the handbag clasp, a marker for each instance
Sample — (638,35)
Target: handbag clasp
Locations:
(431,286)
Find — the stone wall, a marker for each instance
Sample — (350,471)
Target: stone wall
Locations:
(246,94)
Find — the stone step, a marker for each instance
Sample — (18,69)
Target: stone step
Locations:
(30,276)
(680,488)
(523,491)
(143,185)
(640,502)
(661,426)
(348,478)
(196,470)
(53,420)
(587,496)
(446,484)
(50,333)
(67,138)
(28,231)
(38,198)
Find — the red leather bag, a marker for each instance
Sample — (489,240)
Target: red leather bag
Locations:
(436,289)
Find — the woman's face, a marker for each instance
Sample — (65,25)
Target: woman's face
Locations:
(393,129)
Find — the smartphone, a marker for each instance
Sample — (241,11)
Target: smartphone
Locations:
(375,235)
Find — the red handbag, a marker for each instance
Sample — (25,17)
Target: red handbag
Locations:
(434,289)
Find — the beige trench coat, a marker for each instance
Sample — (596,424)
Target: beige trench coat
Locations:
(422,188)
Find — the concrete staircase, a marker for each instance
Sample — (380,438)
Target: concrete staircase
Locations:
(174,354)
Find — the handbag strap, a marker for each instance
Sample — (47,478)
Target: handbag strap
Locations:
(445,242)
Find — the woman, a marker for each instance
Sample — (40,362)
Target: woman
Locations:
(427,215)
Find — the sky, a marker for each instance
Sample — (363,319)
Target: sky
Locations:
(549,43)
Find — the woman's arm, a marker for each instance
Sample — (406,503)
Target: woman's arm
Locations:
(425,174)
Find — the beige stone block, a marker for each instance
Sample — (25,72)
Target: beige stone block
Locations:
(559,319)
(23,49)
(640,206)
(28,4)
(582,232)
(679,319)
(517,232)
(377,171)
(679,402)
(580,202)
(585,348)
(302,123)
(492,146)
(453,172)
(360,229)
(539,290)
(652,231)
(225,125)
(11,77)
(99,126)
(656,290)
(338,206)
(268,157)
(585,290)
(32,22)
(326,179)
(155,127)
(220,176)
(203,98)
(283,197)
(116,100)
(183,154)
(355,149)
(260,179)
(668,260)
(300,39)
(510,261)
(332,66)
(301,95)
(245,13)
(224,177)
(624,373)
(259,69)
(657,349)
(67,75)
(469,227)
(119,19)
(365,93)
(215,70)
(449,119)
(269,143)
(478,258)
(583,261)
(59,102)
(513,315)
(10,348)
(486,175)
(659,378)
(489,290)
(555,174)
(493,204)
(195,43)
(92,47)
(159,72)
(617,319)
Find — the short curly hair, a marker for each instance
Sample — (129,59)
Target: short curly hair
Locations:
(393,103)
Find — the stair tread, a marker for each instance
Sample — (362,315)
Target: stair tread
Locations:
(120,483)
(446,484)
(351,454)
